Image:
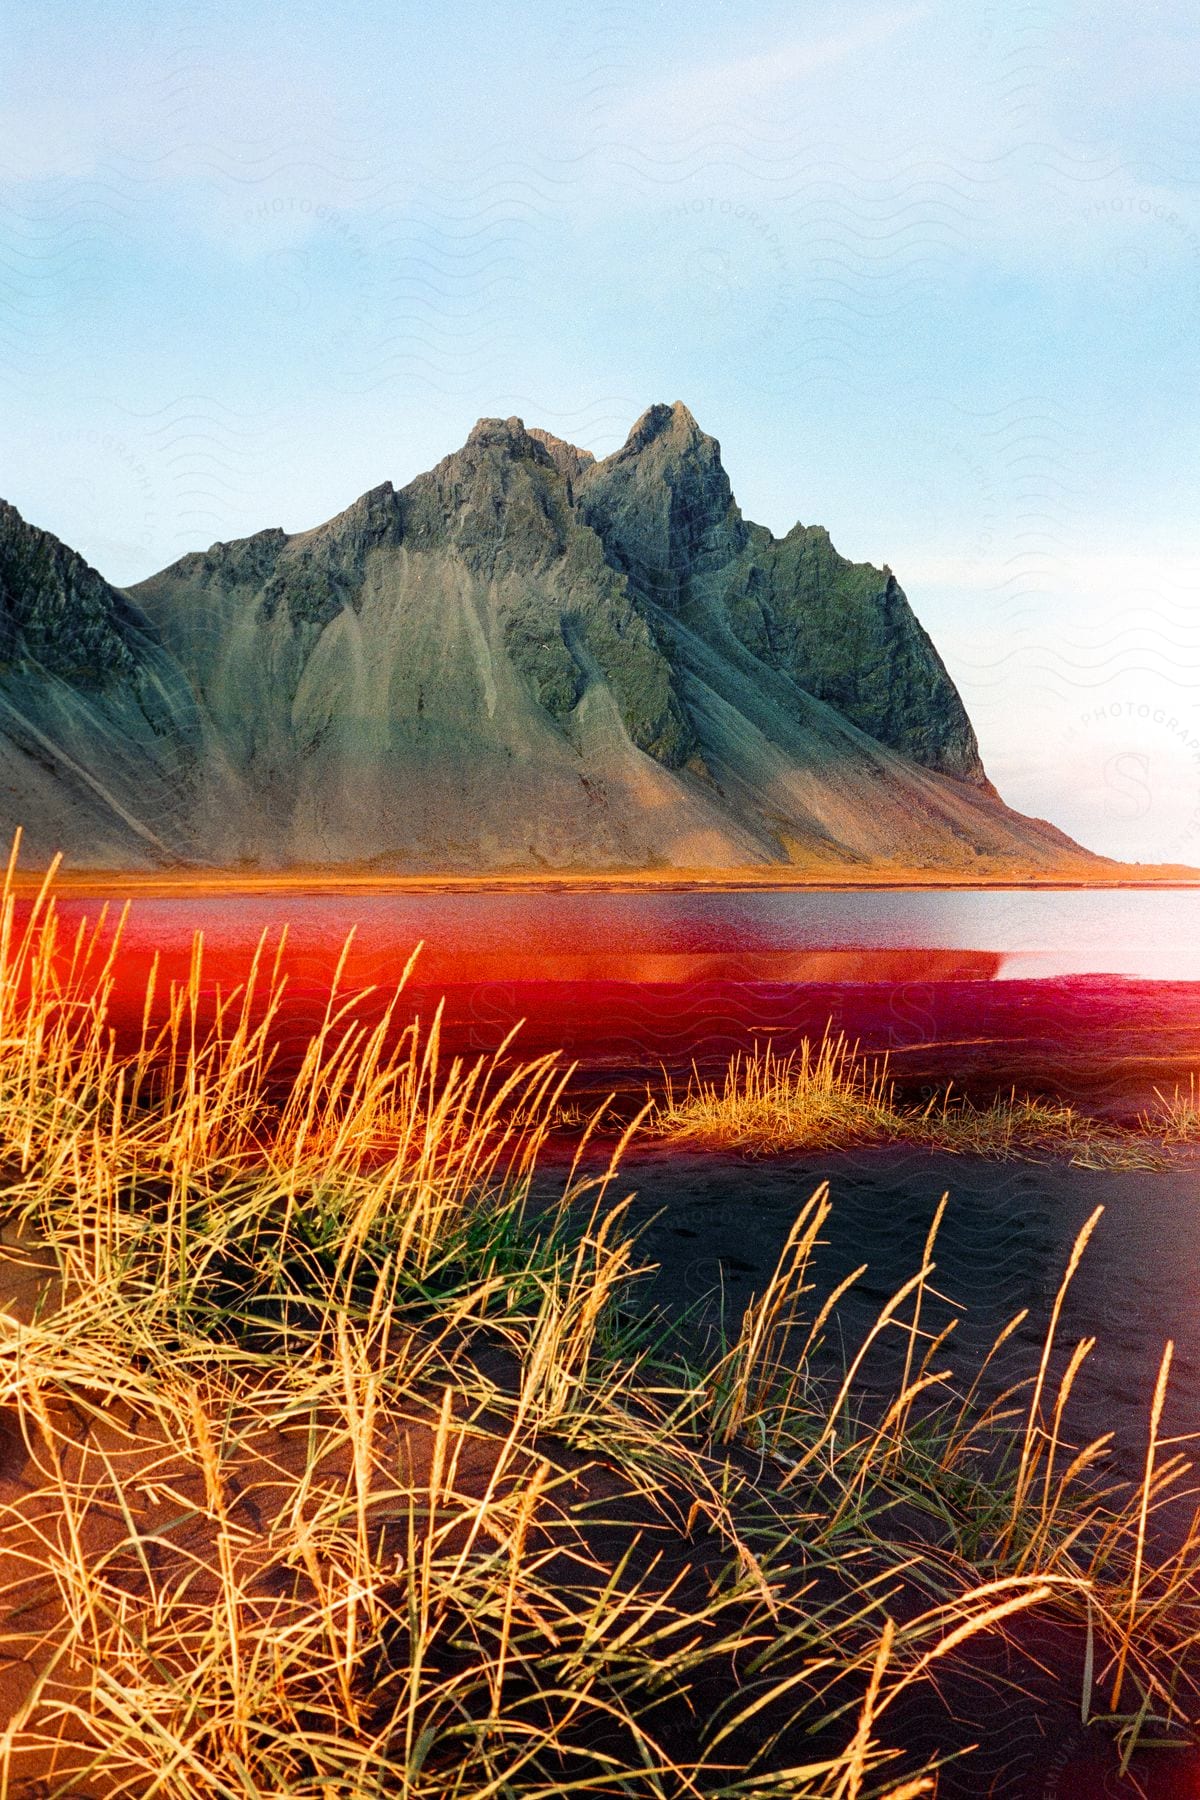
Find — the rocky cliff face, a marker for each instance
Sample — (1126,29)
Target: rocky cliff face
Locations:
(843,631)
(524,658)
(102,746)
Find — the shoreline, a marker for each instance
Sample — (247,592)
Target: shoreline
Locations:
(186,883)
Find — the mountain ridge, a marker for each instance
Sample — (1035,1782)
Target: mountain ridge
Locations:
(522,658)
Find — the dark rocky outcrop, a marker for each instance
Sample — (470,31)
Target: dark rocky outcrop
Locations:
(523,658)
(570,461)
(58,615)
(503,504)
(102,746)
(843,631)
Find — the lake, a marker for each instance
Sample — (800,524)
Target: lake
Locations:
(1093,993)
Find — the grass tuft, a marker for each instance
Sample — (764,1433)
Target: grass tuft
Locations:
(828,1095)
(1177,1116)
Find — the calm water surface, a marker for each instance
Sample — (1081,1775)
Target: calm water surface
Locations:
(1150,934)
(1096,993)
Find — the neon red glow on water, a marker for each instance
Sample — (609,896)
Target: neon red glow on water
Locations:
(1094,993)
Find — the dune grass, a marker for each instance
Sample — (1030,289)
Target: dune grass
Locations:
(828,1095)
(334,1463)
(1177,1115)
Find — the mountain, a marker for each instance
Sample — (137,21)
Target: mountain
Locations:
(524,659)
(102,745)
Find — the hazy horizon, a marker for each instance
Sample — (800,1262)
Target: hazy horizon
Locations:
(930,274)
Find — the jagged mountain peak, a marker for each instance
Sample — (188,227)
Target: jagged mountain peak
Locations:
(570,461)
(100,736)
(507,435)
(58,615)
(663,504)
(673,423)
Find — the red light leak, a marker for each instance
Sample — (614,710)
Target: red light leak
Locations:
(623,1011)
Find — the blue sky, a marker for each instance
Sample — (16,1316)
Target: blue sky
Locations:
(930,271)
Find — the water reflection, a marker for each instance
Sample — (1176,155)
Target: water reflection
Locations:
(1096,994)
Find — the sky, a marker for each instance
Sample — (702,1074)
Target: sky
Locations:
(930,272)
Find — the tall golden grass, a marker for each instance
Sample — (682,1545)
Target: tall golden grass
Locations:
(1177,1115)
(829,1095)
(335,1458)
